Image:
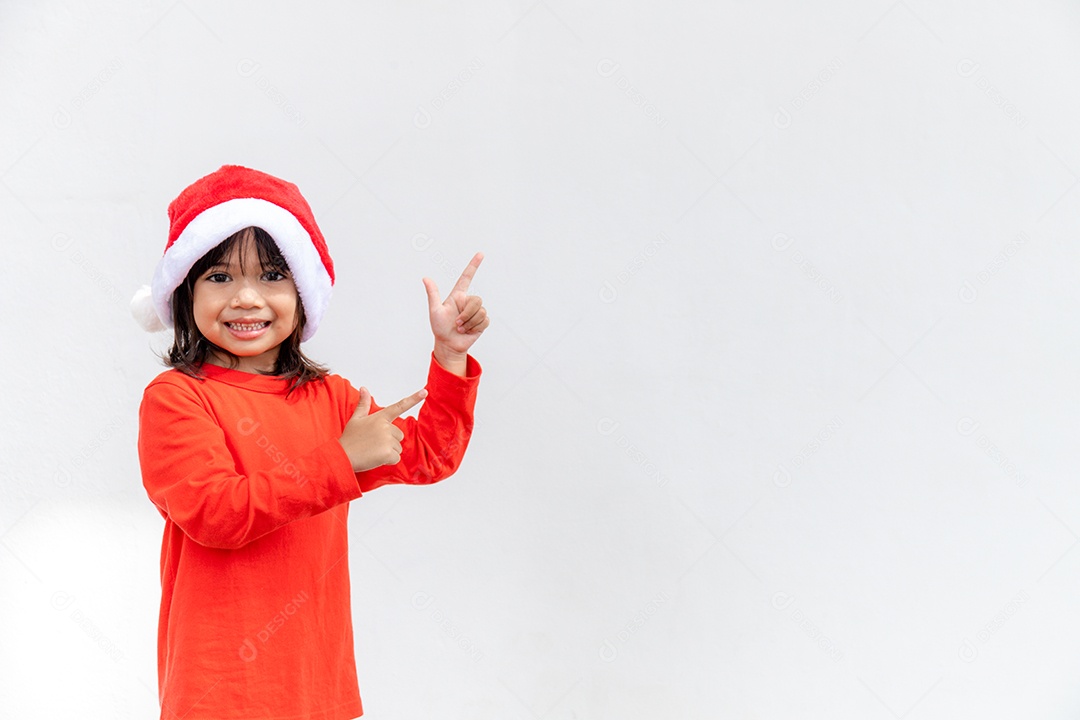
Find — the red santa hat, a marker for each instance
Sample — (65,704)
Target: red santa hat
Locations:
(222,203)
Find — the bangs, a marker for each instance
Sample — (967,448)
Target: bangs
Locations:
(270,257)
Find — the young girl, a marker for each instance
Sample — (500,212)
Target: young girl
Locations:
(252,452)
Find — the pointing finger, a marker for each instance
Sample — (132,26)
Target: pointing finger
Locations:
(394,411)
(466,277)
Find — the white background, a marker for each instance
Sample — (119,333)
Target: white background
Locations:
(781,380)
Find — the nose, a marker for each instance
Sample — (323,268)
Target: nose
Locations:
(247,296)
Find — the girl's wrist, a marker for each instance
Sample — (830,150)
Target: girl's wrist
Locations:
(444,350)
(451,359)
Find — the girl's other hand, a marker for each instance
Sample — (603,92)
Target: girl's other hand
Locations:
(458,321)
(372,440)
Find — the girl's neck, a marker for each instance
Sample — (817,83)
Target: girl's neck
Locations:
(262,365)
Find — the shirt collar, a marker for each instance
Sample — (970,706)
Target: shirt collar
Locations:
(248,381)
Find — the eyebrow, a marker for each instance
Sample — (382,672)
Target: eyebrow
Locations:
(218,265)
(282,268)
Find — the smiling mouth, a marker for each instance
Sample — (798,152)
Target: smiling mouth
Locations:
(247,327)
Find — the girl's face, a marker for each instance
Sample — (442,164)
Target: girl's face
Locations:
(244,309)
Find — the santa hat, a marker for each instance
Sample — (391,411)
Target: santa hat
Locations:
(217,206)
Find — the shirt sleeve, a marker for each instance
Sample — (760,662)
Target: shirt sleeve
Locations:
(191,476)
(435,441)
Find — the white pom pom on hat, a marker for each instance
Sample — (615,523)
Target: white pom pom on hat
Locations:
(218,205)
(142,309)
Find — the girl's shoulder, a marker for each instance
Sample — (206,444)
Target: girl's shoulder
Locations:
(172,376)
(173,387)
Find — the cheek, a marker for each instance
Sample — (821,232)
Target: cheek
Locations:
(198,305)
(286,304)
(204,307)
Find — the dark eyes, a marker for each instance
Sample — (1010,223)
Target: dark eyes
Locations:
(269,276)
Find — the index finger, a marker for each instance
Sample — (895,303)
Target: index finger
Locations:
(462,283)
(403,405)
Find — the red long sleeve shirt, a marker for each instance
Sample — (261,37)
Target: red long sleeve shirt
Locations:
(254,486)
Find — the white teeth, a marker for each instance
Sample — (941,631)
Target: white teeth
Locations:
(245,327)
